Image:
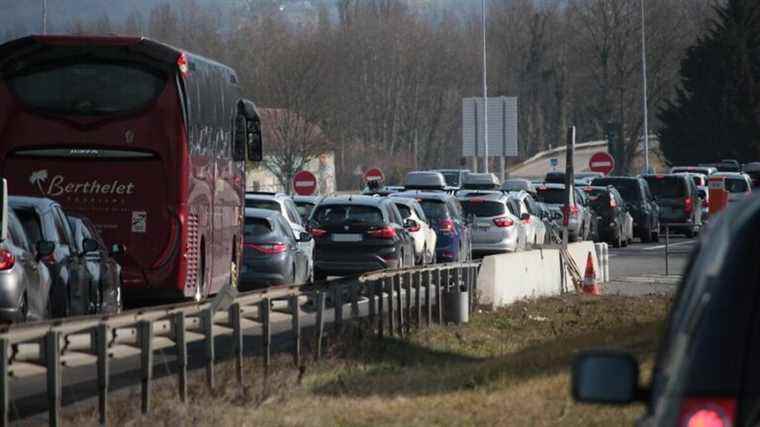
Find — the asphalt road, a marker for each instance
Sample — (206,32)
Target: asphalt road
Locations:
(642,269)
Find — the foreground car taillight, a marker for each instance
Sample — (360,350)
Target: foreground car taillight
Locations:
(318,232)
(446,225)
(688,205)
(383,233)
(707,412)
(503,222)
(268,248)
(7,260)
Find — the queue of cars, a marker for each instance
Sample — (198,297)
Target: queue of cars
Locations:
(54,264)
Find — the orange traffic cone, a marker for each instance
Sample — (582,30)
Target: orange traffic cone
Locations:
(590,285)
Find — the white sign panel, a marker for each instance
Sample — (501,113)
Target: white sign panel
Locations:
(502,126)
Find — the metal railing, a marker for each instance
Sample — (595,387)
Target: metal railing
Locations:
(397,301)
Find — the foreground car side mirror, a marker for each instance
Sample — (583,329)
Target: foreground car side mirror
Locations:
(44,248)
(118,249)
(606,377)
(89,245)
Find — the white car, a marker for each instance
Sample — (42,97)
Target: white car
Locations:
(738,185)
(423,234)
(529,213)
(282,203)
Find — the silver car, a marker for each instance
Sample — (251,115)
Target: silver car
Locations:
(25,280)
(529,213)
(495,228)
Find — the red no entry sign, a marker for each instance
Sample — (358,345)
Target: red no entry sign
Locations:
(601,162)
(374,174)
(304,183)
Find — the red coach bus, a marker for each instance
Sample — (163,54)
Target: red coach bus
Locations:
(146,140)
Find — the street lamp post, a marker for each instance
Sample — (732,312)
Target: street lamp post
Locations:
(644,76)
(44,16)
(485,94)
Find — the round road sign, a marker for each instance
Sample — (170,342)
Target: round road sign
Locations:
(602,162)
(304,183)
(374,174)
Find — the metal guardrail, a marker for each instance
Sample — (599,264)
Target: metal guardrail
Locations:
(398,300)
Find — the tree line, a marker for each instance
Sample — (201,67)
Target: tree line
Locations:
(384,79)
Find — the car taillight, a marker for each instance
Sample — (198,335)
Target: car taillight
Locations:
(183,65)
(383,233)
(503,222)
(688,204)
(613,203)
(268,248)
(446,225)
(706,412)
(7,260)
(318,232)
(414,229)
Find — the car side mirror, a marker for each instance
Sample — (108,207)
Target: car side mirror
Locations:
(605,377)
(89,245)
(525,217)
(118,249)
(304,237)
(44,248)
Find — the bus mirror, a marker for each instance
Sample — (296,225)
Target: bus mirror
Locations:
(254,145)
(239,142)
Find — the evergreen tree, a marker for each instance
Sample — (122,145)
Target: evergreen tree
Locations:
(716,111)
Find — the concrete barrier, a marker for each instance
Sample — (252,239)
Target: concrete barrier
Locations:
(506,278)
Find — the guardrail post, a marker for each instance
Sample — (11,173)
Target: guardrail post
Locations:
(180,342)
(53,364)
(101,349)
(428,297)
(371,289)
(408,290)
(295,311)
(418,297)
(337,296)
(207,317)
(237,338)
(443,279)
(379,285)
(399,304)
(354,290)
(320,323)
(391,306)
(5,353)
(265,307)
(145,328)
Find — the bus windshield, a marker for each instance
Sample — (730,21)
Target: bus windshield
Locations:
(87,88)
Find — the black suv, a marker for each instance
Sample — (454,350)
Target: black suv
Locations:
(357,234)
(639,202)
(680,204)
(613,220)
(706,372)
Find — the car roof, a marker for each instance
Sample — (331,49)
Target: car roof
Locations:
(730,174)
(354,199)
(495,196)
(261,213)
(550,186)
(617,178)
(313,199)
(264,195)
(422,194)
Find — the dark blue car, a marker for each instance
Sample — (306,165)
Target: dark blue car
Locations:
(447,219)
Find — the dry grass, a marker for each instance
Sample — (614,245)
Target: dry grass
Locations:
(508,367)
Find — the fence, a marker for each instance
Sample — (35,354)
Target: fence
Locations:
(398,300)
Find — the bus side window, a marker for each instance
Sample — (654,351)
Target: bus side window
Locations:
(239,138)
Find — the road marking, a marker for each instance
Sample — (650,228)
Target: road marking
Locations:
(654,248)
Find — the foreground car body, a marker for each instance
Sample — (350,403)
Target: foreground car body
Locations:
(706,372)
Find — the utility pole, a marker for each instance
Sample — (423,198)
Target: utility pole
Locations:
(644,75)
(485,93)
(44,16)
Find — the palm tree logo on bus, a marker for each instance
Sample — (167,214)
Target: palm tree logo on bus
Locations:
(38,178)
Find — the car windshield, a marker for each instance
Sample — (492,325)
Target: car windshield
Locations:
(667,187)
(346,214)
(628,188)
(270,205)
(482,208)
(736,185)
(255,227)
(551,196)
(452,178)
(31,223)
(405,211)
